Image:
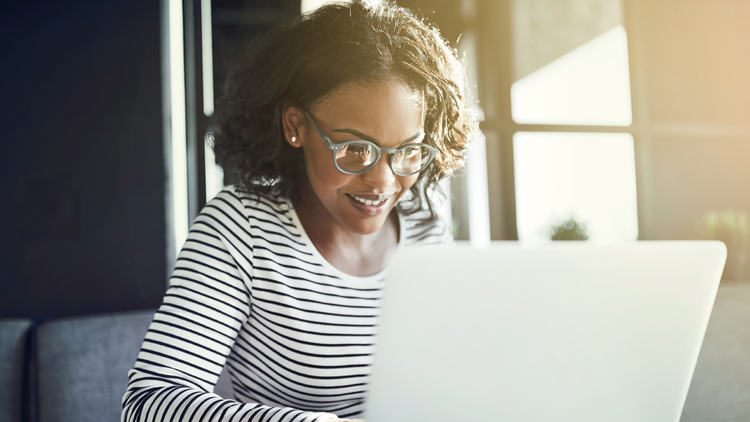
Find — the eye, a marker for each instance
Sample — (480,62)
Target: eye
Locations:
(411,151)
(360,149)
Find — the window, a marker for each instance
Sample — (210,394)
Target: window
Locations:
(557,100)
(587,177)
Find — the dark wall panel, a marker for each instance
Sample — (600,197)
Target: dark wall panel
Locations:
(82,175)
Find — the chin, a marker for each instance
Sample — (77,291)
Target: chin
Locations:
(368,226)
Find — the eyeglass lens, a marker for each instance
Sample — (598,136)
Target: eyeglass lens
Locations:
(358,157)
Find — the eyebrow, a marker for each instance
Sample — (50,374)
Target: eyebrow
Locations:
(361,135)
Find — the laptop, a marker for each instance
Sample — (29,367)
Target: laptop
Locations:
(568,331)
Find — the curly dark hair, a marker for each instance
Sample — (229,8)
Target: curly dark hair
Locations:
(299,63)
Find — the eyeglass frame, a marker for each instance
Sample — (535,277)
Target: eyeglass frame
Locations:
(336,146)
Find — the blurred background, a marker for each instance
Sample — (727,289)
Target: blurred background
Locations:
(603,121)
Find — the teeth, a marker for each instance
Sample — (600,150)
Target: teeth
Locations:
(368,201)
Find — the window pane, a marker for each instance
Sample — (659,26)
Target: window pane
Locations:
(570,63)
(589,177)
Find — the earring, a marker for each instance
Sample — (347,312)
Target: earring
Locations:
(294,139)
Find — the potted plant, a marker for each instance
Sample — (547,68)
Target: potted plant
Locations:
(569,229)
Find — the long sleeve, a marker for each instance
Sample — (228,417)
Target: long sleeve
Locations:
(195,329)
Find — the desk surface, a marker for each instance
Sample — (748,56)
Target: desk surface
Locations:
(720,389)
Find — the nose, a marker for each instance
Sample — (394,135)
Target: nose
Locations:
(381,176)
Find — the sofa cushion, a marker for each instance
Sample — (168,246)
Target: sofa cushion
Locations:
(13,333)
(83,364)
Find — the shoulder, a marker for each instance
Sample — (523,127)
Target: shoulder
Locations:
(236,213)
(233,201)
(418,233)
(418,230)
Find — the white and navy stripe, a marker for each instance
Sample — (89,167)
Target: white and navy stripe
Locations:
(250,291)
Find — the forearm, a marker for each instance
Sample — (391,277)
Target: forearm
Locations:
(149,400)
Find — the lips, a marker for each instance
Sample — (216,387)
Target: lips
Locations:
(369,204)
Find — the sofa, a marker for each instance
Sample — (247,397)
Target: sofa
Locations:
(72,369)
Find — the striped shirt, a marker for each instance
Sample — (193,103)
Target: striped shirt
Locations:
(250,291)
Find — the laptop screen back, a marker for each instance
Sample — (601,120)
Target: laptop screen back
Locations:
(563,332)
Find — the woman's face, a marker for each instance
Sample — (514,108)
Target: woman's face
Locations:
(388,114)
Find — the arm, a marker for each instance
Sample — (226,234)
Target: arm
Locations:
(193,332)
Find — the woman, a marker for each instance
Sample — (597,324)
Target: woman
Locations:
(339,127)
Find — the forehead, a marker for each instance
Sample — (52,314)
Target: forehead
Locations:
(383,111)
(352,91)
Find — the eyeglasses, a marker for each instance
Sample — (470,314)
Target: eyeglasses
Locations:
(358,156)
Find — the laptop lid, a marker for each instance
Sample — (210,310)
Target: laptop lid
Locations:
(569,331)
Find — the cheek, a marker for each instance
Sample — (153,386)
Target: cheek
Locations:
(323,175)
(407,183)
(317,164)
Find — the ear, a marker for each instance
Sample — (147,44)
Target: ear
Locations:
(293,121)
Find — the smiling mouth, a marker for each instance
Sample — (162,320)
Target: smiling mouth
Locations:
(370,202)
(370,205)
